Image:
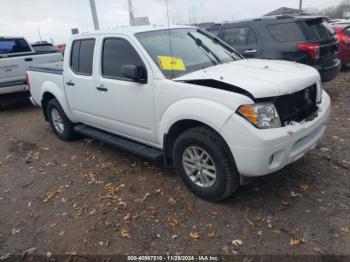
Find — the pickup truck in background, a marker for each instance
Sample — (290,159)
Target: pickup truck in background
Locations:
(183,95)
(16,55)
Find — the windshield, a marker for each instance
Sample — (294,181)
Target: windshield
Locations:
(188,50)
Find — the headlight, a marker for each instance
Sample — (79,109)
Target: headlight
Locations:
(262,115)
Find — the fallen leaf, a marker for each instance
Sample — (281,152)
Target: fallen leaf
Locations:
(124,233)
(211,234)
(173,223)
(345,229)
(73,158)
(195,235)
(127,217)
(318,250)
(295,242)
(52,225)
(237,242)
(189,210)
(172,201)
(214,213)
(52,194)
(174,236)
(303,188)
(29,251)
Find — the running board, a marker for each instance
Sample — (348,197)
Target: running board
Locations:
(145,151)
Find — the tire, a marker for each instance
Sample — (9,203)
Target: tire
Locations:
(64,129)
(203,139)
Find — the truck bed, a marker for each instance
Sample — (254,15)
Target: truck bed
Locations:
(51,68)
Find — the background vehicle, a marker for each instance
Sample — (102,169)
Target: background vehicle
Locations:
(44,47)
(343,31)
(214,116)
(16,55)
(306,40)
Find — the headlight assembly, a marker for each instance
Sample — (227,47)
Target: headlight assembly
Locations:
(261,115)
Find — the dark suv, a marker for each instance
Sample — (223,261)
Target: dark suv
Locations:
(304,39)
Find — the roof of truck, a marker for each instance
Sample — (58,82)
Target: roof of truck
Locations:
(131,30)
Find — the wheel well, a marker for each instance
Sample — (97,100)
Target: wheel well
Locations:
(46,98)
(173,133)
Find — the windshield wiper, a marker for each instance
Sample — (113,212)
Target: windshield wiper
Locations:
(200,43)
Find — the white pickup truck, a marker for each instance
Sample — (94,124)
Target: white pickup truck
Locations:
(184,96)
(16,55)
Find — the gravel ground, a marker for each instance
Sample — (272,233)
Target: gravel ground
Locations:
(85,197)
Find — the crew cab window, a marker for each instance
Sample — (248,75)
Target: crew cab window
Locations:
(286,32)
(239,36)
(13,46)
(118,52)
(82,56)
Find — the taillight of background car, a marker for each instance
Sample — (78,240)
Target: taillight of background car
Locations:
(26,82)
(313,49)
(344,36)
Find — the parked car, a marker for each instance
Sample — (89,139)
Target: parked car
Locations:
(303,39)
(44,47)
(216,117)
(16,55)
(343,31)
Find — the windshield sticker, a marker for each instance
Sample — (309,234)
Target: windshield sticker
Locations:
(169,63)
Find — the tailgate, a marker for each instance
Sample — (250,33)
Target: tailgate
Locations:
(318,30)
(13,68)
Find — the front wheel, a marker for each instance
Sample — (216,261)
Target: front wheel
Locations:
(59,122)
(205,164)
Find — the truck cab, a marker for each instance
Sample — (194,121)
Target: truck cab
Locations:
(182,95)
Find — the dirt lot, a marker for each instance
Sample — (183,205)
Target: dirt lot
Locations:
(85,197)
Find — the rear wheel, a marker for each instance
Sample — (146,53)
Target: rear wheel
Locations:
(205,164)
(59,122)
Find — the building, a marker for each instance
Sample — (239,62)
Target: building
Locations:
(284,11)
(346,13)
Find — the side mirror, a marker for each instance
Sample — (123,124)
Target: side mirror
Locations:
(134,72)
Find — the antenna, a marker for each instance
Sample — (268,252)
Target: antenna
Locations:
(170,45)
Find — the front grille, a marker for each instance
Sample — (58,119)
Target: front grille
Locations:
(297,106)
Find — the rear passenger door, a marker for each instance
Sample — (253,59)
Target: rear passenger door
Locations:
(79,80)
(243,39)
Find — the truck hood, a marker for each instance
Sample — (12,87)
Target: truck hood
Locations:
(258,77)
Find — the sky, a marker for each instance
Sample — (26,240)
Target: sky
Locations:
(53,19)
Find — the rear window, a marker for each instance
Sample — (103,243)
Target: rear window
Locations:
(14,46)
(321,29)
(287,32)
(82,56)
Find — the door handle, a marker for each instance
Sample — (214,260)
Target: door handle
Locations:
(250,51)
(70,83)
(28,59)
(102,88)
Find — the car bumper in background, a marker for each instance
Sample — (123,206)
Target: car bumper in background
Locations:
(329,73)
(260,152)
(31,99)
(12,89)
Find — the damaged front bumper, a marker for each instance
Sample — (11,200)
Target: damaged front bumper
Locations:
(260,152)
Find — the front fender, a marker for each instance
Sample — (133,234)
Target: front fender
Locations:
(205,111)
(59,94)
